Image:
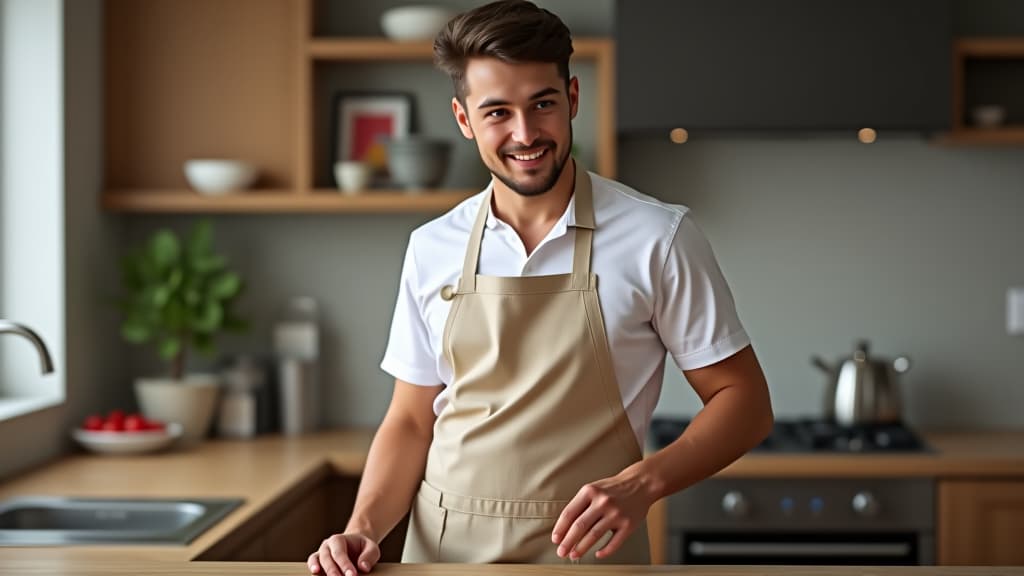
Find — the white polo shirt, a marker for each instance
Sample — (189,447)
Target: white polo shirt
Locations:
(660,288)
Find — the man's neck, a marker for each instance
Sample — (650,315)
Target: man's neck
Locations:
(532,217)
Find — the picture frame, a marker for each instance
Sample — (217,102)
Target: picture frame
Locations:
(362,120)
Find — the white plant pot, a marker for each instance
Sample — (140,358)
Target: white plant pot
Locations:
(190,402)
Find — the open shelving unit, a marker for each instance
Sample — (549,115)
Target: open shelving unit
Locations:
(237,78)
(972,52)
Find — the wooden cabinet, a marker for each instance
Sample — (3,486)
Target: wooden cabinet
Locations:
(286,531)
(744,65)
(252,79)
(294,525)
(981,522)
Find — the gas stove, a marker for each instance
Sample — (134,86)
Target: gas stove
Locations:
(812,435)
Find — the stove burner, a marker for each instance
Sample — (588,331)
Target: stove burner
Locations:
(810,435)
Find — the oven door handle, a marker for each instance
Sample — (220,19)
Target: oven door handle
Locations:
(816,549)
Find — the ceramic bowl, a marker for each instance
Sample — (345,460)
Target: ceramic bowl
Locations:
(419,22)
(352,176)
(988,116)
(141,442)
(416,163)
(219,176)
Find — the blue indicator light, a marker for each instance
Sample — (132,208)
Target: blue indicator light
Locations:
(817,504)
(787,504)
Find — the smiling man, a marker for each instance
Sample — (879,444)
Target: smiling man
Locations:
(530,334)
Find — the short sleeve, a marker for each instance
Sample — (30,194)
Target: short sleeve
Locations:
(695,314)
(409,355)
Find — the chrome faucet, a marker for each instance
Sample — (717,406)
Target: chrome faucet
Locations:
(8,327)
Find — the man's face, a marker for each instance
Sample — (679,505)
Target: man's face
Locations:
(520,116)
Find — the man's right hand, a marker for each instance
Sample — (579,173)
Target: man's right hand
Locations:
(339,555)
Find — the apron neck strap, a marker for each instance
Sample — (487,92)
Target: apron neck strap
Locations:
(584,206)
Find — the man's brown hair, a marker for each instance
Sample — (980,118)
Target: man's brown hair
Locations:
(513,31)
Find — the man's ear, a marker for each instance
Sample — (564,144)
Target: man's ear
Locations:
(574,96)
(462,118)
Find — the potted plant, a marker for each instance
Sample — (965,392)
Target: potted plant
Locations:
(179,295)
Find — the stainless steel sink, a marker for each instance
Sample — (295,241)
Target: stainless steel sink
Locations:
(48,521)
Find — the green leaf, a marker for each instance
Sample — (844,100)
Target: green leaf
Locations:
(135,332)
(225,285)
(209,318)
(159,296)
(169,347)
(175,279)
(164,249)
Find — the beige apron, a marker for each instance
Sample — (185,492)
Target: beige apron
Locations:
(534,413)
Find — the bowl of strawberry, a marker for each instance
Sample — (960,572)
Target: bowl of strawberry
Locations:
(121,433)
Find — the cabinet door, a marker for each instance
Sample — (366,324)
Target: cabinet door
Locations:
(299,530)
(784,64)
(980,523)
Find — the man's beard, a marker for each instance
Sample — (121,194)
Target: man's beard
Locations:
(537,189)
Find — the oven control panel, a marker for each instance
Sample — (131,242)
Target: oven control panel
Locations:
(811,504)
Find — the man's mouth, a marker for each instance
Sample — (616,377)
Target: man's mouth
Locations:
(529,158)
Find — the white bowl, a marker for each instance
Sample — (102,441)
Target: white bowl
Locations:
(215,176)
(352,176)
(140,442)
(420,22)
(988,116)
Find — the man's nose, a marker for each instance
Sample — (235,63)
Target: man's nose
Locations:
(524,130)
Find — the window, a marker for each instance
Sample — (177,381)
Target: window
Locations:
(32,281)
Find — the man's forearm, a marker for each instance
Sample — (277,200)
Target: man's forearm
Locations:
(394,468)
(731,423)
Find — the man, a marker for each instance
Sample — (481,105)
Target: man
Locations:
(530,334)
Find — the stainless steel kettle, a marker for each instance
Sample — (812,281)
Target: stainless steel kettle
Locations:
(863,390)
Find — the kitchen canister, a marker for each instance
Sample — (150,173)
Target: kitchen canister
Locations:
(297,351)
(239,414)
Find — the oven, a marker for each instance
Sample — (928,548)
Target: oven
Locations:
(821,521)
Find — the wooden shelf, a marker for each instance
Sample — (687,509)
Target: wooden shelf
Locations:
(989,47)
(264,108)
(1007,136)
(377,49)
(321,201)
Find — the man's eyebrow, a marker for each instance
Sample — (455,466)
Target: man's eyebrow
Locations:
(491,102)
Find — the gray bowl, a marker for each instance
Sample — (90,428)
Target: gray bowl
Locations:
(417,163)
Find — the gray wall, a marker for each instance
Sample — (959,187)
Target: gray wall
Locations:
(907,244)
(94,373)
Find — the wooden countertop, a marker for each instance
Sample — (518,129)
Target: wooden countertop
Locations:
(953,454)
(137,568)
(266,469)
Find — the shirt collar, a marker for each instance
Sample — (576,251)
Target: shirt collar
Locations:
(568,217)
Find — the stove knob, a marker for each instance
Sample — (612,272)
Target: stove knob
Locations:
(735,504)
(865,504)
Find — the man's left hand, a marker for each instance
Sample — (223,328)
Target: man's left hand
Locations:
(618,504)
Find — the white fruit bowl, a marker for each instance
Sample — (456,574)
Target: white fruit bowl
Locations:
(136,442)
(409,23)
(216,176)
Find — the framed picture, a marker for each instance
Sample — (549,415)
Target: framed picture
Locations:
(364,121)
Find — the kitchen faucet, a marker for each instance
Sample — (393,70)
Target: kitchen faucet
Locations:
(8,327)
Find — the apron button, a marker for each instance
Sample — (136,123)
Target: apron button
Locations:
(447,293)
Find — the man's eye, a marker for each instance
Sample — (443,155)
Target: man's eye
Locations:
(545,104)
(497,113)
